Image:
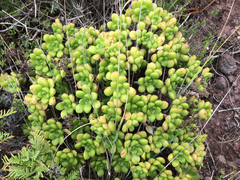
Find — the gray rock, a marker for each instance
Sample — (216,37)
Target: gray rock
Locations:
(231,78)
(227,64)
(221,83)
(222,159)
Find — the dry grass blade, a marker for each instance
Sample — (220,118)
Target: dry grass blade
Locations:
(198,10)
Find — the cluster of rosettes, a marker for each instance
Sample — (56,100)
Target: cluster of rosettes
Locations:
(11,83)
(69,158)
(102,89)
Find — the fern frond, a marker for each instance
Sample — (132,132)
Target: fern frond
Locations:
(28,164)
(72,176)
(60,169)
(19,172)
(3,113)
(4,137)
(5,160)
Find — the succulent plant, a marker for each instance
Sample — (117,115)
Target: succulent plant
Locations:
(69,158)
(101,92)
(101,127)
(88,100)
(41,62)
(53,44)
(203,108)
(155,165)
(159,140)
(11,82)
(57,27)
(37,110)
(136,59)
(133,121)
(141,9)
(99,164)
(119,88)
(151,80)
(114,145)
(171,83)
(67,106)
(85,77)
(73,127)
(135,146)
(70,29)
(140,171)
(44,90)
(155,107)
(137,104)
(166,175)
(53,131)
(91,147)
(110,111)
(120,164)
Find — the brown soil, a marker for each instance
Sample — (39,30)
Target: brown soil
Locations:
(223,129)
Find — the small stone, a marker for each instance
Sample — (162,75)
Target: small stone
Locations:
(224,36)
(227,64)
(221,83)
(222,159)
(61,18)
(6,99)
(232,79)
(208,178)
(231,163)
(236,146)
(232,125)
(236,91)
(230,158)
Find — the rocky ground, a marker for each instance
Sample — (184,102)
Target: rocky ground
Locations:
(223,129)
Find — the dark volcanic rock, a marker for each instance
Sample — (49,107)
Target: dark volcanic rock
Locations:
(221,83)
(227,64)
(6,99)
